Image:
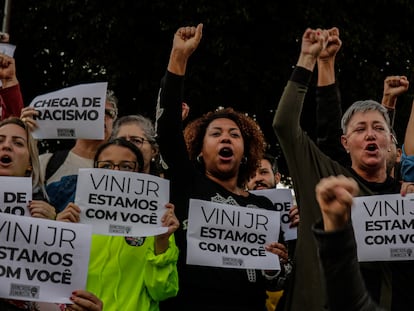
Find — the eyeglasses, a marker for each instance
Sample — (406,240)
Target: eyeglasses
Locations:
(137,140)
(111,113)
(128,166)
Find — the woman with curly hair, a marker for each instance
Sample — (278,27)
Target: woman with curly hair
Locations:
(253,140)
(210,160)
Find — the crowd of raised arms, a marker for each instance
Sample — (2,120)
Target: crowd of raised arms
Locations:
(221,157)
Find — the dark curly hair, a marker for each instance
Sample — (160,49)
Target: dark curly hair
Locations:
(254,141)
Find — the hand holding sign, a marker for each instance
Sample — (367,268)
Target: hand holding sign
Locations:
(278,249)
(230,236)
(42,260)
(71,213)
(70,113)
(122,203)
(42,209)
(28,115)
(170,221)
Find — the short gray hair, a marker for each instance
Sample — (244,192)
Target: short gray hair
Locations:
(364,106)
(150,134)
(144,123)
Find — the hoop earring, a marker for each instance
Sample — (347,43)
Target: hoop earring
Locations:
(199,159)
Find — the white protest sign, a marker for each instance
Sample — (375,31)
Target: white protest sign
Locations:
(70,113)
(384,227)
(42,260)
(229,236)
(282,201)
(122,203)
(7,48)
(15,195)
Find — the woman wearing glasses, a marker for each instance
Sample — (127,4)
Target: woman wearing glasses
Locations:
(140,131)
(130,273)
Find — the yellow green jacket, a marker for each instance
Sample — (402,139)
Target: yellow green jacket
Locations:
(126,275)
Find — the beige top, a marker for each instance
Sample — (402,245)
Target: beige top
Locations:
(70,166)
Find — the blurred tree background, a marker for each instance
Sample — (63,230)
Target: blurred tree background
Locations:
(246,55)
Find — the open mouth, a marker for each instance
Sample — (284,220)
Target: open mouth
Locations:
(5,159)
(260,186)
(226,152)
(371,147)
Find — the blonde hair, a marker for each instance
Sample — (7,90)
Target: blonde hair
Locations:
(37,181)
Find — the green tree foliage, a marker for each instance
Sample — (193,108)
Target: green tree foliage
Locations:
(245,58)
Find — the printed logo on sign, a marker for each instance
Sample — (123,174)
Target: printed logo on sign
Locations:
(234,262)
(66,132)
(401,252)
(119,229)
(22,290)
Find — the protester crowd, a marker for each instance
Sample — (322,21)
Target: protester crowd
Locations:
(216,165)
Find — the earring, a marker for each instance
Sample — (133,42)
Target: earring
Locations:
(152,159)
(243,160)
(163,164)
(199,159)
